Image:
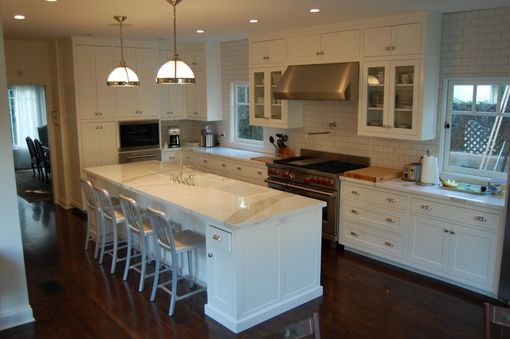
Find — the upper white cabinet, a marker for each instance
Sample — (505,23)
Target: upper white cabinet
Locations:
(343,46)
(172,98)
(267,52)
(138,102)
(203,99)
(392,40)
(94,99)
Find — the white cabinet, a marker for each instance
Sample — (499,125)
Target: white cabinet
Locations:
(267,111)
(392,40)
(254,172)
(98,144)
(343,46)
(267,52)
(390,101)
(94,99)
(172,98)
(138,102)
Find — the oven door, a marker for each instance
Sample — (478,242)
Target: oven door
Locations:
(329,213)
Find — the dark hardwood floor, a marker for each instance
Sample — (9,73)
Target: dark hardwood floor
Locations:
(362,298)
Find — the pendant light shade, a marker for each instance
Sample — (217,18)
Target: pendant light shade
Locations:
(122,75)
(175,71)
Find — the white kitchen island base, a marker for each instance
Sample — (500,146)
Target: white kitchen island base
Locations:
(263,246)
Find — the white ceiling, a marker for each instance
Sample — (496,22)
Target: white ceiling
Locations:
(222,20)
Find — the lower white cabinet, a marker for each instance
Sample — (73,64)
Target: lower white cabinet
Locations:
(98,144)
(444,239)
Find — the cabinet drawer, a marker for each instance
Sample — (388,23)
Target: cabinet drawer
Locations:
(244,170)
(359,193)
(383,218)
(219,238)
(455,214)
(373,240)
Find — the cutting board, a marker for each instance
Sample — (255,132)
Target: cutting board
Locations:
(264,159)
(373,174)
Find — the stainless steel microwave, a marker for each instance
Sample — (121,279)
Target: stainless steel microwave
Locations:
(135,135)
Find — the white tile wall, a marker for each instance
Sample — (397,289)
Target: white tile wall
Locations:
(474,44)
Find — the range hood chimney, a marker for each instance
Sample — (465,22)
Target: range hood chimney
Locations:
(319,82)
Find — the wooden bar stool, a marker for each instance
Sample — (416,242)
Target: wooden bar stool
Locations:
(176,243)
(136,225)
(111,218)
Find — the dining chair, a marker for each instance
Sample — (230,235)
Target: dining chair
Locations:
(176,244)
(34,158)
(111,221)
(44,159)
(136,226)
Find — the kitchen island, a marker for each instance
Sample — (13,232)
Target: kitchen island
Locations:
(263,246)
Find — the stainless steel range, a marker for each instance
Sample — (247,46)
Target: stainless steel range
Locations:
(316,175)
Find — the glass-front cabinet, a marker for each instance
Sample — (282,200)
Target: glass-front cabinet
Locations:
(265,110)
(389,103)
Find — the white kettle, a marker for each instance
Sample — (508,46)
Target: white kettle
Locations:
(429,169)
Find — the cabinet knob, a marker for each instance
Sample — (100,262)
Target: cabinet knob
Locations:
(392,48)
(216,237)
(238,168)
(446,231)
(452,232)
(195,113)
(259,172)
(355,211)
(393,201)
(223,165)
(354,234)
(205,161)
(317,53)
(389,243)
(390,220)
(480,218)
(387,48)
(194,63)
(426,207)
(169,113)
(210,255)
(355,192)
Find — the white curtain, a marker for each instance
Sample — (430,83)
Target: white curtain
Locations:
(29,113)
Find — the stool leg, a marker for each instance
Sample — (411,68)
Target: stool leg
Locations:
(175,277)
(143,244)
(128,254)
(189,256)
(115,247)
(156,272)
(99,231)
(103,239)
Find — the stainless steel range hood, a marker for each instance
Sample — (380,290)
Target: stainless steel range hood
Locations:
(319,82)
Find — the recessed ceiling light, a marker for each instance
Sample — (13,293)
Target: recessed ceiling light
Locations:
(315,10)
(253,21)
(51,0)
(19,17)
(200,31)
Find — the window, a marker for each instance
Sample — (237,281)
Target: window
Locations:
(243,131)
(477,128)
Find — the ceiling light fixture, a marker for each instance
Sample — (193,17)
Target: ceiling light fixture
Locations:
(175,71)
(19,17)
(315,10)
(200,31)
(122,75)
(253,21)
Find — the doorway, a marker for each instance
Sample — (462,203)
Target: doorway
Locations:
(29,130)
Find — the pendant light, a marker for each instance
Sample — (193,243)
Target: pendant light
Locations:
(175,71)
(122,75)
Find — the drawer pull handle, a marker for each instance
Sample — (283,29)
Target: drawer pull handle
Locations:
(391,200)
(426,207)
(210,255)
(354,211)
(354,234)
(223,165)
(216,237)
(205,161)
(480,218)
(355,192)
(389,244)
(390,220)
(452,232)
(259,172)
(238,168)
(446,231)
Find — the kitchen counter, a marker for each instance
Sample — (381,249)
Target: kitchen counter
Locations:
(228,152)
(484,200)
(262,255)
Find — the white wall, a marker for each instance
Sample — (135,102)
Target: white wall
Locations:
(14,306)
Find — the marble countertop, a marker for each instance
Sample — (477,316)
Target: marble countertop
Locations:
(483,200)
(228,152)
(233,203)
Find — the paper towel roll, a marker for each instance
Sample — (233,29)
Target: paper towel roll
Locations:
(429,170)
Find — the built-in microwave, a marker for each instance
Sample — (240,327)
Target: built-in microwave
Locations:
(137,135)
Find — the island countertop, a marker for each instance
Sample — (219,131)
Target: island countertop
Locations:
(233,203)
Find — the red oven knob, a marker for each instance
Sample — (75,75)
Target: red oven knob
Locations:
(307,180)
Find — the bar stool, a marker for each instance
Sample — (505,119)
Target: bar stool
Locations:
(136,224)
(93,231)
(176,243)
(113,217)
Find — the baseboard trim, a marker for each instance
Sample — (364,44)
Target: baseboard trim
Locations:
(16,317)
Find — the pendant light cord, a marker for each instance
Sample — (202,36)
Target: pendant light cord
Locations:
(175,56)
(120,19)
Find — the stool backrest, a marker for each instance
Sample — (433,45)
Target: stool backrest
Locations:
(162,229)
(105,203)
(88,189)
(132,214)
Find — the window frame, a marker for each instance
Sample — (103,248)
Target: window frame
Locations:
(447,114)
(234,117)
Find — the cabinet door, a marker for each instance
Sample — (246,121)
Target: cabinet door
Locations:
(127,97)
(99,144)
(375,97)
(146,70)
(303,50)
(172,99)
(265,52)
(429,243)
(257,96)
(404,100)
(473,254)
(406,39)
(276,106)
(195,57)
(196,97)
(376,41)
(340,46)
